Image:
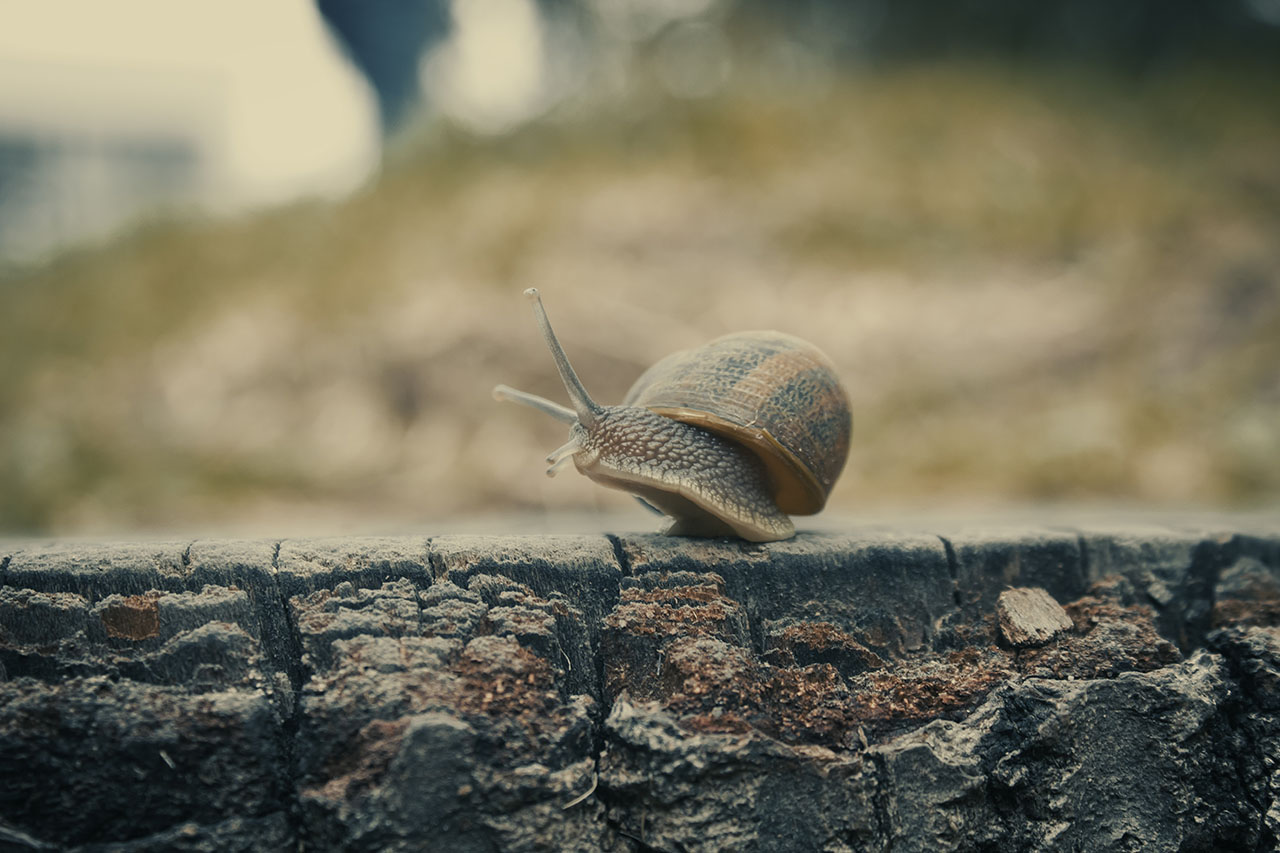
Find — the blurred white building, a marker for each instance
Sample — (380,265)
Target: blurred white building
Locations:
(83,150)
(109,111)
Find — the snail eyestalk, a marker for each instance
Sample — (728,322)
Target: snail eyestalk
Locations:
(586,408)
(533,401)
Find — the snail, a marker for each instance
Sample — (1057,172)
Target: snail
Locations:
(727,439)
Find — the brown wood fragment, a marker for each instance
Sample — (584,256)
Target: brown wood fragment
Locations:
(134,618)
(1029,617)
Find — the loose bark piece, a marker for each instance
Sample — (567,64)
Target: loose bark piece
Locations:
(1030,617)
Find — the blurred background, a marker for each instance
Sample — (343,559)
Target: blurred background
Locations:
(261,263)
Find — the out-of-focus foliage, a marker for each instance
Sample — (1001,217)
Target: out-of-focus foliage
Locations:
(1038,285)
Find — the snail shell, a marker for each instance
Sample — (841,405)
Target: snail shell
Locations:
(772,392)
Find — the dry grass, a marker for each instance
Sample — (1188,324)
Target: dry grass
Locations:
(1037,286)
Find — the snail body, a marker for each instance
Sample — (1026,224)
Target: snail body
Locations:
(727,439)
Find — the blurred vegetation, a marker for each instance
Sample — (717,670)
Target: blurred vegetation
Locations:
(1039,285)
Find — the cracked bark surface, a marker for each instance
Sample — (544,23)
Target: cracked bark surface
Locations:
(634,692)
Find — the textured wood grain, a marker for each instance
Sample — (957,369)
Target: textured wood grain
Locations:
(837,691)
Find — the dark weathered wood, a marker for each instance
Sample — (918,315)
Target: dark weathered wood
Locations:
(836,691)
